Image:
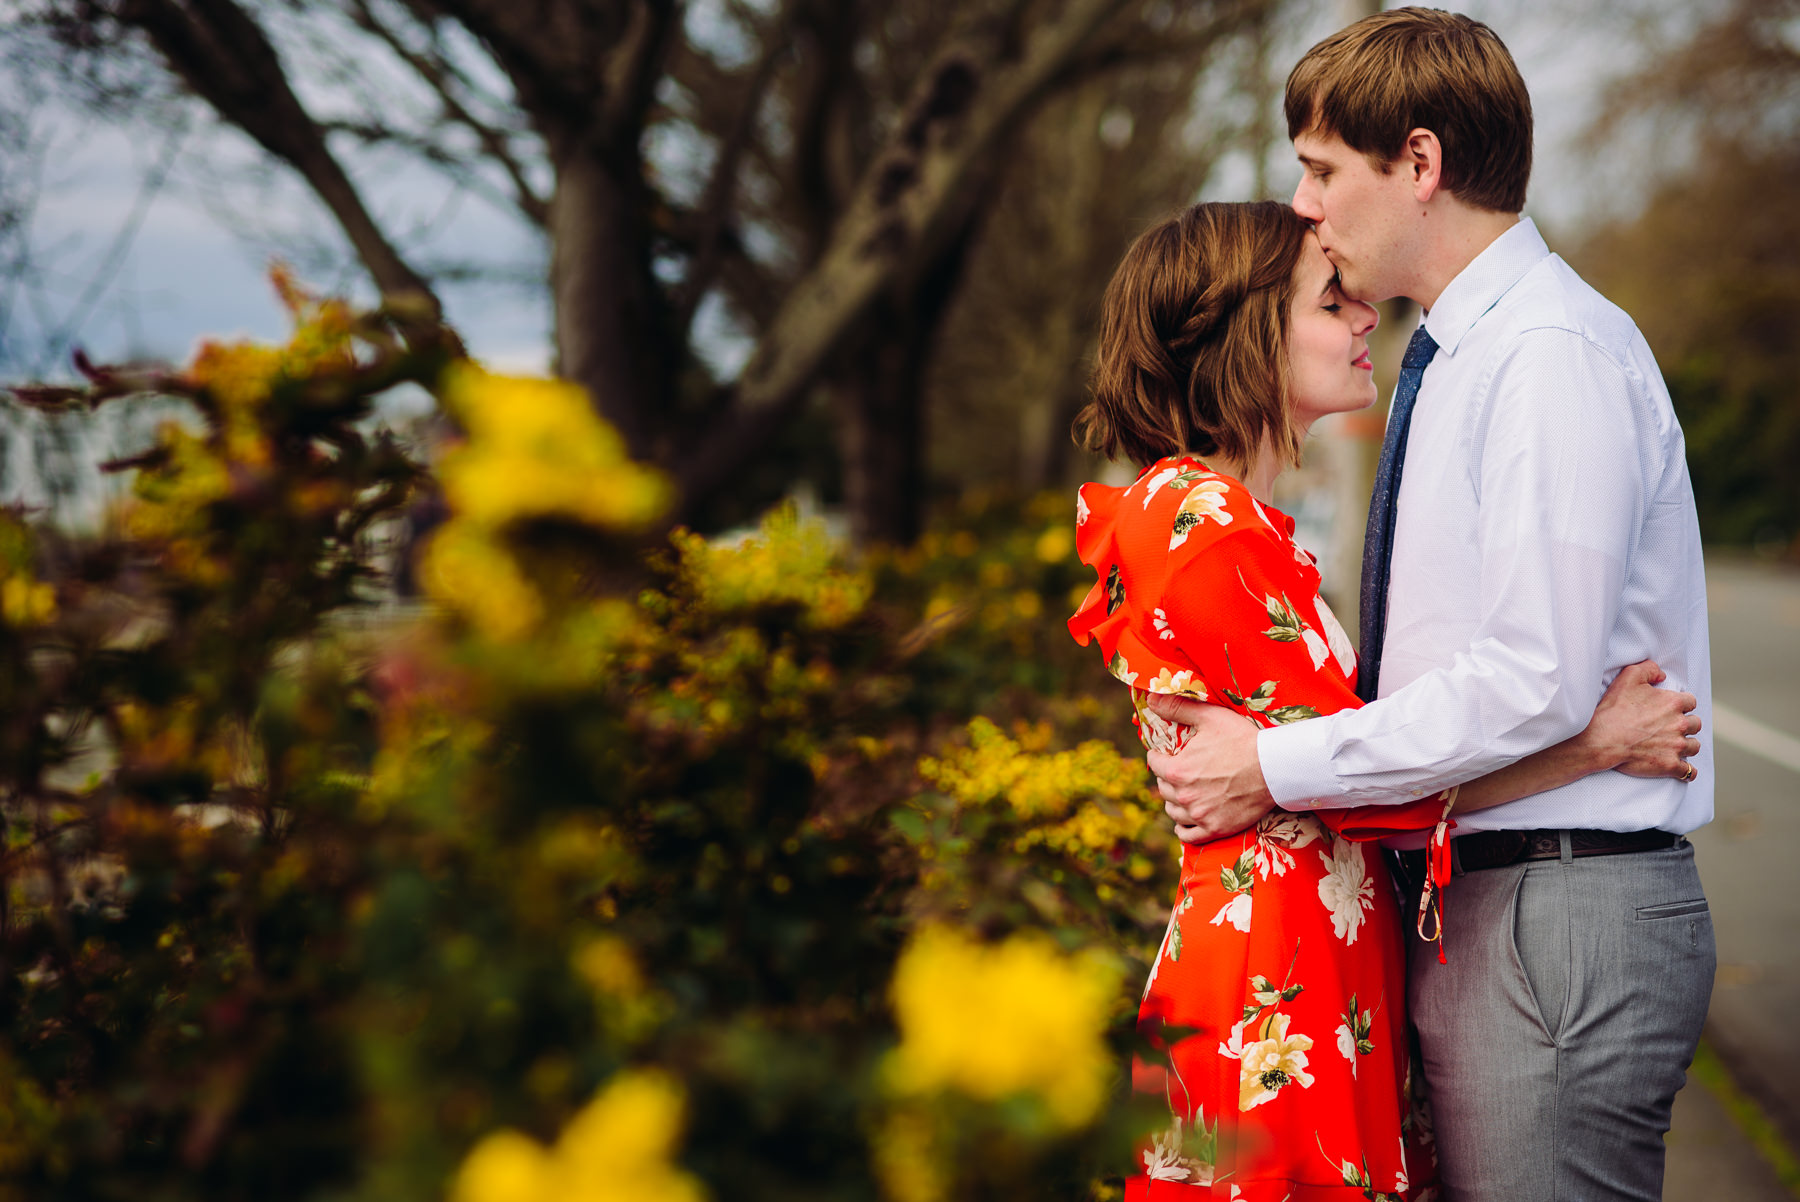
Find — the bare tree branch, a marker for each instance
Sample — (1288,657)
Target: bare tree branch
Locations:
(438,75)
(719,201)
(221,52)
(964,104)
(634,65)
(1139,47)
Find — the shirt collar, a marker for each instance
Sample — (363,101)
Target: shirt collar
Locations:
(1480,285)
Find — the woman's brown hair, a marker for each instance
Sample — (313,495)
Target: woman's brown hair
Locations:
(1193,338)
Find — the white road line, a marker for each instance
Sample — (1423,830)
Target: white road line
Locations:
(1747,734)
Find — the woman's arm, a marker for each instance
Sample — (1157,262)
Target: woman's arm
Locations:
(1639,729)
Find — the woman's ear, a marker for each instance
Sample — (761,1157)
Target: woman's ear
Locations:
(1424,159)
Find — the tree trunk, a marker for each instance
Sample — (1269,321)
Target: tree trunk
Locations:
(610,337)
(882,419)
(881,423)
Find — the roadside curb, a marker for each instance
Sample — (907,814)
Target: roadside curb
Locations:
(1749,1116)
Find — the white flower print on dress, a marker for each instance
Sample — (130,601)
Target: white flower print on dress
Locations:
(1233,1048)
(1081,509)
(1236,912)
(1335,636)
(1278,836)
(1154,484)
(1182,1155)
(1346,889)
(1157,732)
(1161,621)
(1205,500)
(1181,682)
(1315,646)
(1346,1045)
(1119,668)
(1269,1065)
(1162,1160)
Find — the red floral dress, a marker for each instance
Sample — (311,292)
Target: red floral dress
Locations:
(1281,980)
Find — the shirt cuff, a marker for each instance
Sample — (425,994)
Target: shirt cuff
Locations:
(1296,765)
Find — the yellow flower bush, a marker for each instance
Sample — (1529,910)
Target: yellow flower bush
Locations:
(170,501)
(908,1158)
(993,1021)
(468,570)
(241,377)
(787,561)
(537,449)
(1035,784)
(617,1149)
(24,599)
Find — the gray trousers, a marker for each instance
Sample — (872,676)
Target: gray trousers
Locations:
(1555,1039)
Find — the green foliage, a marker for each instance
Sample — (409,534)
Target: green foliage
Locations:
(546,891)
(1711,273)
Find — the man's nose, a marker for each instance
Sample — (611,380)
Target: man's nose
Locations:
(1367,317)
(1306,201)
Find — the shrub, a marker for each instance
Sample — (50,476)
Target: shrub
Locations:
(645,877)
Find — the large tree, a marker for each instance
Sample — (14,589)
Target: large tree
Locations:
(834,162)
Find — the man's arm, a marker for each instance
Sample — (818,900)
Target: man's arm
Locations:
(1638,729)
(1562,494)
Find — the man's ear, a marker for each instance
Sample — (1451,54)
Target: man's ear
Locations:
(1424,159)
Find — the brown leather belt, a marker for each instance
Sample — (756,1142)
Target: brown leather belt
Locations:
(1497,849)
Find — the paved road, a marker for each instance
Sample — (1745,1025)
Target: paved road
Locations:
(1747,860)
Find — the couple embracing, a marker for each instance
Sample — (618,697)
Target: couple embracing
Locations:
(1532,572)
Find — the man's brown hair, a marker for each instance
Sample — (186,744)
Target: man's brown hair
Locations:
(1193,338)
(1376,81)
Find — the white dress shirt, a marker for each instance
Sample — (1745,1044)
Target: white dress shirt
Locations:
(1546,538)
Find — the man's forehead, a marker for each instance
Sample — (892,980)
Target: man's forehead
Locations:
(1310,143)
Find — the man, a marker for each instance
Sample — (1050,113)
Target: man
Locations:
(1543,537)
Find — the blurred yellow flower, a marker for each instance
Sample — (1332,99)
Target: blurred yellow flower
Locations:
(608,965)
(787,561)
(994,767)
(907,1158)
(1055,544)
(616,1149)
(991,1021)
(26,602)
(170,497)
(465,569)
(536,448)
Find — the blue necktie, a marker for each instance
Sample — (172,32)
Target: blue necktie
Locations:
(1378,540)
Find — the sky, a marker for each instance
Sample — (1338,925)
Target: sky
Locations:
(190,263)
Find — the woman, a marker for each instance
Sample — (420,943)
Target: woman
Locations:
(1224,337)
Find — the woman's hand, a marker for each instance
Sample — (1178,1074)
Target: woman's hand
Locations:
(1642,730)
